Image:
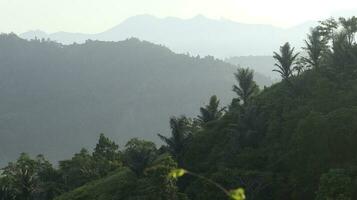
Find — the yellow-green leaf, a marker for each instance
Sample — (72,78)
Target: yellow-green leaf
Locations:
(176,173)
(237,194)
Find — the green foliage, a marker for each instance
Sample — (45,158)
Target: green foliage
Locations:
(23,175)
(51,184)
(335,185)
(7,192)
(283,143)
(106,155)
(119,185)
(106,149)
(154,184)
(84,167)
(27,179)
(78,170)
(139,154)
(157,185)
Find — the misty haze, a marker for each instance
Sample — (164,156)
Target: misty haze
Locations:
(178,100)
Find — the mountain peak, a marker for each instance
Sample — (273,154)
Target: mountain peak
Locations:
(141,17)
(32,34)
(199,16)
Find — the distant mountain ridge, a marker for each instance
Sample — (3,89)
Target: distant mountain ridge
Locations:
(198,36)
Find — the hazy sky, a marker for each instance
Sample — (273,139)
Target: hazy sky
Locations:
(91,16)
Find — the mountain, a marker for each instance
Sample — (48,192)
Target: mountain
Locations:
(296,139)
(56,96)
(199,35)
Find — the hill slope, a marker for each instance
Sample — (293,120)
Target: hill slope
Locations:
(55,95)
(117,184)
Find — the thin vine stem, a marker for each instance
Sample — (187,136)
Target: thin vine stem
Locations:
(209,181)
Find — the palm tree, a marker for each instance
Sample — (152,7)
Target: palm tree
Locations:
(349,27)
(247,87)
(180,135)
(316,45)
(211,111)
(285,61)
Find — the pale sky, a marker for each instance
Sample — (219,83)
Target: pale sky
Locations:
(92,16)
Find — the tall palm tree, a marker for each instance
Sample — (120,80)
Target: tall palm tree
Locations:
(246,87)
(285,60)
(349,27)
(211,111)
(316,45)
(180,135)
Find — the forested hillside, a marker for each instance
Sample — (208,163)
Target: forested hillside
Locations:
(55,95)
(294,140)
